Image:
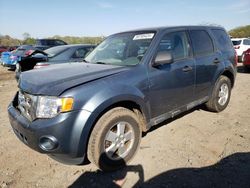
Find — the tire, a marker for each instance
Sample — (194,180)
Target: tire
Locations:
(246,69)
(221,95)
(106,149)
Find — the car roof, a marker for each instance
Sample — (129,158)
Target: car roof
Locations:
(172,27)
(238,38)
(73,45)
(49,39)
(80,45)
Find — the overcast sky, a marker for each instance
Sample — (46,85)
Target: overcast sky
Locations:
(47,18)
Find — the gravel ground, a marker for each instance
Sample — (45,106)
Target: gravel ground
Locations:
(196,149)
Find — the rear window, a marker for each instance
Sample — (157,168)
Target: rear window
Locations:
(246,42)
(202,43)
(21,50)
(54,51)
(59,42)
(50,42)
(223,40)
(236,42)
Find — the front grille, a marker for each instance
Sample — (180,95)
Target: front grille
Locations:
(26,105)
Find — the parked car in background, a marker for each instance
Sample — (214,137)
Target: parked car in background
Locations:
(12,48)
(241,45)
(3,49)
(54,55)
(6,54)
(10,59)
(246,60)
(44,44)
(131,82)
(7,59)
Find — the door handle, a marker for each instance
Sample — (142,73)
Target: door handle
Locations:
(216,61)
(187,68)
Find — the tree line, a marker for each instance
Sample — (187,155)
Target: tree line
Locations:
(240,32)
(6,40)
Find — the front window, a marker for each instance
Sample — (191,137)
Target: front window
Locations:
(122,49)
(176,43)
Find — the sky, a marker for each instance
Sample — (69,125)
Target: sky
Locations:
(46,18)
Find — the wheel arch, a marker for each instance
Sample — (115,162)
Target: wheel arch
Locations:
(230,75)
(133,103)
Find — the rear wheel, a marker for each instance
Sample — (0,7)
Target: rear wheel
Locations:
(246,68)
(221,95)
(114,139)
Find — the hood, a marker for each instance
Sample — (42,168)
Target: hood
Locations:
(53,80)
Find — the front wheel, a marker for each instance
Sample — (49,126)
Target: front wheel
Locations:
(114,139)
(221,95)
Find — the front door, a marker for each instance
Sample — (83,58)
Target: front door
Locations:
(172,85)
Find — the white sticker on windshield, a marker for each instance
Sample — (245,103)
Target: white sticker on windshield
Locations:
(144,36)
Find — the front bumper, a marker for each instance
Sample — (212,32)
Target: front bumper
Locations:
(65,130)
(11,66)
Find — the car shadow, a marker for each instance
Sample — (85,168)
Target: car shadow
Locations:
(108,179)
(232,171)
(241,69)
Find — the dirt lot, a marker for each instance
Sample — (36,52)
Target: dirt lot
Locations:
(197,149)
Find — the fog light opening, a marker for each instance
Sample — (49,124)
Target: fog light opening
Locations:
(48,143)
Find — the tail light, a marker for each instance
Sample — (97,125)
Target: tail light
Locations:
(29,52)
(38,66)
(235,58)
(12,57)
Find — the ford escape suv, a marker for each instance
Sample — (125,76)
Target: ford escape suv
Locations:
(97,110)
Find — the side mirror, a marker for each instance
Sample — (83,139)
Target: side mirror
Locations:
(162,58)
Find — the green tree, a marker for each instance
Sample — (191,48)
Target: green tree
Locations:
(26,36)
(240,32)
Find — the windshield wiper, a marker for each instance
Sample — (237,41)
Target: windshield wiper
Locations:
(85,61)
(100,62)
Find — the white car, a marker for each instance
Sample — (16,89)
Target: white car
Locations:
(241,45)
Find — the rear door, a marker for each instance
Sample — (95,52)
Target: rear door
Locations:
(208,62)
(224,45)
(172,85)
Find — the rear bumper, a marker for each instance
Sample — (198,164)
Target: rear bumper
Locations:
(12,66)
(246,62)
(64,132)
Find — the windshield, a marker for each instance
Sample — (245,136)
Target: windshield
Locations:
(122,49)
(236,42)
(54,51)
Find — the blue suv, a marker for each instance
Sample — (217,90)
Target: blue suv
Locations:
(97,110)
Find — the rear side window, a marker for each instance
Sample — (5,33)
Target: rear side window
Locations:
(246,42)
(202,43)
(223,41)
(79,53)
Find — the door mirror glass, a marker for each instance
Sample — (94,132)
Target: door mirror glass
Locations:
(162,58)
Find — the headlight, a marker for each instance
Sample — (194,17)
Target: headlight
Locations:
(48,107)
